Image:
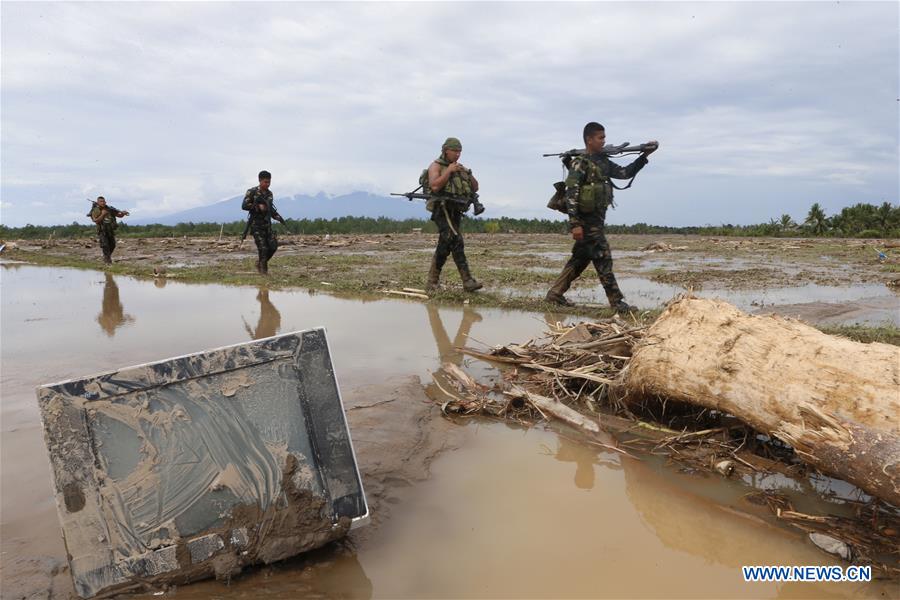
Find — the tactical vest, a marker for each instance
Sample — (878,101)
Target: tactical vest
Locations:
(109,221)
(459,184)
(596,190)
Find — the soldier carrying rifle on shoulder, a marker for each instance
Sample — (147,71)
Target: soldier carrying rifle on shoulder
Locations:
(587,193)
(104,216)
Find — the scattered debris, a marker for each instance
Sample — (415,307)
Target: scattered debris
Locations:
(662,247)
(406,294)
(725,467)
(830,545)
(583,376)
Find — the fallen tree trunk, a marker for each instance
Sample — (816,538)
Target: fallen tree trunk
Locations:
(835,401)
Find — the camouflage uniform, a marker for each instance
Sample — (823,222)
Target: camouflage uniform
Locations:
(261,224)
(106,231)
(589,193)
(448,218)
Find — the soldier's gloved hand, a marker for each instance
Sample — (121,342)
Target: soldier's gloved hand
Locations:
(479,208)
(577,233)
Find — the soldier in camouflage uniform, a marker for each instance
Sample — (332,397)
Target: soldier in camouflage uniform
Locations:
(105,218)
(589,193)
(448,177)
(259,202)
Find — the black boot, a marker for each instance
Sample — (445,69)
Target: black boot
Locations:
(434,277)
(556,293)
(623,307)
(469,283)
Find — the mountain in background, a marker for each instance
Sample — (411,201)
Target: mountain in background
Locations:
(299,206)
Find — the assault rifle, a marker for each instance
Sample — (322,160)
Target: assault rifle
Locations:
(608,150)
(111,209)
(460,202)
(250,220)
(246,229)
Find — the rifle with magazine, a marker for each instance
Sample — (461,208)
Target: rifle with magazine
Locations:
(111,209)
(558,200)
(460,202)
(608,150)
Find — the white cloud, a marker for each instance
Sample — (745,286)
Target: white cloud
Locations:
(173,105)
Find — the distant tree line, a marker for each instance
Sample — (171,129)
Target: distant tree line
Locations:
(860,220)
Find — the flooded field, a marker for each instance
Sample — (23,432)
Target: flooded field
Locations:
(471,508)
(827,281)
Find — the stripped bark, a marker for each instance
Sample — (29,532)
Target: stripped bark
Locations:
(835,401)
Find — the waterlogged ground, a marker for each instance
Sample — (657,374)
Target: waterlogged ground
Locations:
(460,509)
(824,281)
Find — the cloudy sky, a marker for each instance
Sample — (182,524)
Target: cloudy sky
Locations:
(760,108)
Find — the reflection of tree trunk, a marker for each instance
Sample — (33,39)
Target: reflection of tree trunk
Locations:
(833,400)
(113,314)
(269,317)
(690,522)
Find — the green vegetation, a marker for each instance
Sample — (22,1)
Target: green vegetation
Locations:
(860,220)
(886,334)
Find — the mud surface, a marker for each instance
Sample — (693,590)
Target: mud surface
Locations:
(463,509)
(755,274)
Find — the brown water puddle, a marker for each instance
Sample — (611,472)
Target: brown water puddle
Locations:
(510,513)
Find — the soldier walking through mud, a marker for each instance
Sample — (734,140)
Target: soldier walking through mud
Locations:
(105,218)
(259,202)
(589,192)
(453,188)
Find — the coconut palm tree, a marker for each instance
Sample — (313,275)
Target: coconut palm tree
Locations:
(885,216)
(787,222)
(816,220)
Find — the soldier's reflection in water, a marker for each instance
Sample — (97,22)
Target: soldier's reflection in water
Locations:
(447,352)
(269,317)
(584,457)
(113,314)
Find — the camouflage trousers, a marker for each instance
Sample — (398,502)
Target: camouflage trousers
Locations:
(107,238)
(593,249)
(448,241)
(266,242)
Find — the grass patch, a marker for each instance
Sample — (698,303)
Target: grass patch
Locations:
(886,334)
(347,276)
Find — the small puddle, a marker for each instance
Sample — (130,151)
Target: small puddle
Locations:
(514,513)
(563,256)
(863,303)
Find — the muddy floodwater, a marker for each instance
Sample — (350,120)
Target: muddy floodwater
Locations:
(470,508)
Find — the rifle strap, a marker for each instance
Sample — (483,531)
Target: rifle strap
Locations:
(447,216)
(630,181)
